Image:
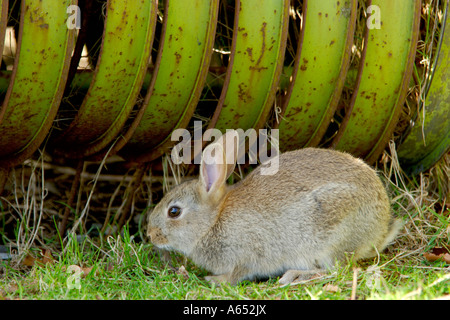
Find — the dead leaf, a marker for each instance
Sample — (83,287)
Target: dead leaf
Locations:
(110,267)
(82,271)
(29,261)
(86,271)
(438,254)
(446,258)
(182,271)
(47,257)
(331,288)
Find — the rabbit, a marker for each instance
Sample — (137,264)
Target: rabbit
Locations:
(319,206)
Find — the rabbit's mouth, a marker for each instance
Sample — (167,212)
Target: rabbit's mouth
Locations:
(157,237)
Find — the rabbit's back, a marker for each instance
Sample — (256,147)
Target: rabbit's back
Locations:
(330,176)
(319,205)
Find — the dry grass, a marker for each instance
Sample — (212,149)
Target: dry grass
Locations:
(33,202)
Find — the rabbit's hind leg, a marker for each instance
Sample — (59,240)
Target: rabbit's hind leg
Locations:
(291,276)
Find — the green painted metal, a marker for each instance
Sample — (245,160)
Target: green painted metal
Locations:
(322,61)
(383,80)
(417,154)
(35,86)
(38,79)
(254,70)
(178,79)
(119,74)
(3,22)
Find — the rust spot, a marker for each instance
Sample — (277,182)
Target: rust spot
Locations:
(295,110)
(250,54)
(332,42)
(257,68)
(177,57)
(303,67)
(263,46)
(371,96)
(242,93)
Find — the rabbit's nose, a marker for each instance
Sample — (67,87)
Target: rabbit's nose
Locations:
(156,236)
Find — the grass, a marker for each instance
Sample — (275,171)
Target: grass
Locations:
(122,268)
(127,270)
(126,267)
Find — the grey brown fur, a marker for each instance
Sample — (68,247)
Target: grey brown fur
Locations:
(320,205)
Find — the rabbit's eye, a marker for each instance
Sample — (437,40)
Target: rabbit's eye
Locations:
(174,212)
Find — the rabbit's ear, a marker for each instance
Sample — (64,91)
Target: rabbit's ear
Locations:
(213,168)
(230,144)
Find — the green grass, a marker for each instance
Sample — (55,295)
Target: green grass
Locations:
(123,269)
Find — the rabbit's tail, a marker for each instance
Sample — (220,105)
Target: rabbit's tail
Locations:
(394,227)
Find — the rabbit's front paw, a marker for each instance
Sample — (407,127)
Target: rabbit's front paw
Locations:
(218,280)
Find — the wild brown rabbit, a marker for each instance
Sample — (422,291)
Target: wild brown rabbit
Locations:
(320,205)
